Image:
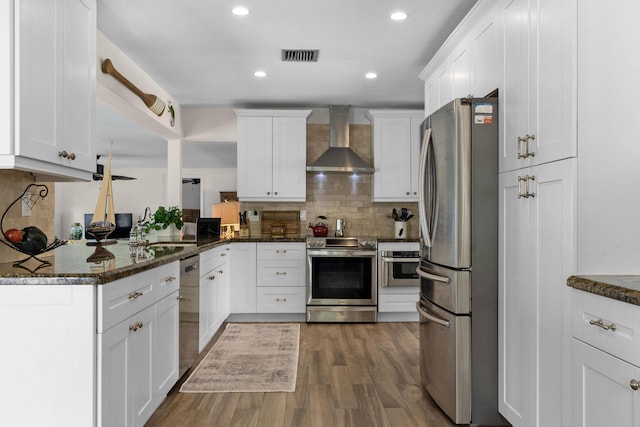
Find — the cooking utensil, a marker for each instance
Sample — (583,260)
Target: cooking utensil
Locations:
(152,102)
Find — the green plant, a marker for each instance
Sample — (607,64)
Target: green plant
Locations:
(163,217)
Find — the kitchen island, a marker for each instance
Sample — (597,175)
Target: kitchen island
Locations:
(92,339)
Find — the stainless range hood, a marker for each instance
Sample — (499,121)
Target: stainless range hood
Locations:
(339,157)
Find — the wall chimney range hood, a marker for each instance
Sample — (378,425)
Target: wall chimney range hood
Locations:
(339,157)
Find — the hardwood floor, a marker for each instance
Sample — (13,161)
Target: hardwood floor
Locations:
(349,375)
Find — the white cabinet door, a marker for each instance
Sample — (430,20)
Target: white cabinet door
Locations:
(486,53)
(537,254)
(460,60)
(55,84)
(396,147)
(207,308)
(290,158)
(538,98)
(243,278)
(221,289)
(602,392)
(272,154)
(165,346)
(255,139)
(126,371)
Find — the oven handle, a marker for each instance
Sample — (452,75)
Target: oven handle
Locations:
(431,276)
(434,319)
(340,253)
(399,260)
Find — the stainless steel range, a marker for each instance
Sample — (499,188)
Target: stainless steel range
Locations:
(341,279)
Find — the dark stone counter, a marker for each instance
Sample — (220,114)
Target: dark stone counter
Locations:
(622,288)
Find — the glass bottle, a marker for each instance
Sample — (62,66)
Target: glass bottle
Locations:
(76,231)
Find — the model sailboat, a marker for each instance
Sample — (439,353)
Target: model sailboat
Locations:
(103,221)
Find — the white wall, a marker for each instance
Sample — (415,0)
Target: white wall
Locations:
(74,199)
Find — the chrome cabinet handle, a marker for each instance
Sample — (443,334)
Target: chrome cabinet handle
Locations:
(170,279)
(281,273)
(268,193)
(408,193)
(520,141)
(281,299)
(212,277)
(634,384)
(527,138)
(181,298)
(431,276)
(526,194)
(600,324)
(220,271)
(135,295)
(281,251)
(65,155)
(275,193)
(426,315)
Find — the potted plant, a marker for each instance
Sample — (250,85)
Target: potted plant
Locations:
(169,219)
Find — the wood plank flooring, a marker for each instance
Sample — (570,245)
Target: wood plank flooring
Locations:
(349,375)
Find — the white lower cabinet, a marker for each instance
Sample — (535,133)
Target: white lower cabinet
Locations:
(214,292)
(603,394)
(243,278)
(606,360)
(536,256)
(137,356)
(280,277)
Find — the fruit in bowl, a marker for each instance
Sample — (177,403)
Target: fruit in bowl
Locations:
(14,235)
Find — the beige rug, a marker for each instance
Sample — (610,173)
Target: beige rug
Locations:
(249,358)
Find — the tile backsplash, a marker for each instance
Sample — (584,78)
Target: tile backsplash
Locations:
(42,214)
(338,195)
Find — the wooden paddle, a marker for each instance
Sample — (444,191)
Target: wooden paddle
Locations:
(152,102)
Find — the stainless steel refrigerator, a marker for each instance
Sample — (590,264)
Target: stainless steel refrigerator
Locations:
(458,270)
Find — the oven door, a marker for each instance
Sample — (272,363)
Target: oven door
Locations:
(398,271)
(341,277)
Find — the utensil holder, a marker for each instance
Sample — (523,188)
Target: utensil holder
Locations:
(400,230)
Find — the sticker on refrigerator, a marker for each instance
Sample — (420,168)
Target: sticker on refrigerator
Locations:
(484,108)
(483,119)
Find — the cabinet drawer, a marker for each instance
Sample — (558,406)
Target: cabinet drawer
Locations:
(398,303)
(213,257)
(280,273)
(122,298)
(275,251)
(593,314)
(281,299)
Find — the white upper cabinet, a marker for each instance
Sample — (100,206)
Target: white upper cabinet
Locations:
(272,155)
(538,91)
(468,63)
(396,152)
(50,128)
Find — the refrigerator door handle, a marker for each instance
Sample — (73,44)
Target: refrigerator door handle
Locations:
(431,276)
(434,319)
(424,226)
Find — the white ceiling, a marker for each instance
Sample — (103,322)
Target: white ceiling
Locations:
(203,55)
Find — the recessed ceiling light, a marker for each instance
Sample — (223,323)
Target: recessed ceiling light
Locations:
(240,11)
(398,16)
(260,73)
(371,75)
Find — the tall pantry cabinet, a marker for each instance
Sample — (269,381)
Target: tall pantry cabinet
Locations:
(535,75)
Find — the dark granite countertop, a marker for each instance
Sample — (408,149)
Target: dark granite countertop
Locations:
(620,287)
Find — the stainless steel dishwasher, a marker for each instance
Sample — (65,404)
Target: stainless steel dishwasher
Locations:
(189,311)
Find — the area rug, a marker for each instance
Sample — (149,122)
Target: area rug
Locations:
(249,357)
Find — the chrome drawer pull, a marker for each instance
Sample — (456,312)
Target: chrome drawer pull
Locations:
(281,273)
(212,277)
(600,324)
(281,251)
(634,384)
(135,295)
(170,279)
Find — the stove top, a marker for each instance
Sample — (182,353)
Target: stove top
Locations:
(342,242)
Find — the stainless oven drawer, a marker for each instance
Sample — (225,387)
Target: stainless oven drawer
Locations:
(445,359)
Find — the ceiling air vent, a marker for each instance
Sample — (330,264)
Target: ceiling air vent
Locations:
(300,55)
